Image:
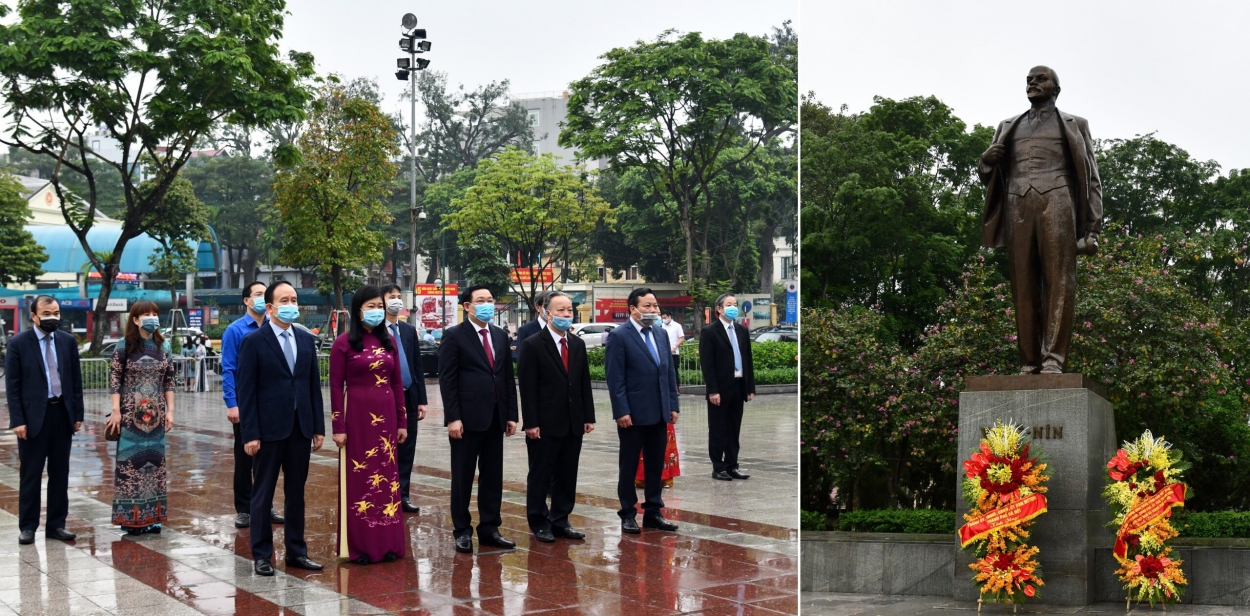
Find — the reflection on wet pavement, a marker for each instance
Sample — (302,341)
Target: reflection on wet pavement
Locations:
(736,552)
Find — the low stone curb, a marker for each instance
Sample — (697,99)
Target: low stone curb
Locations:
(699,390)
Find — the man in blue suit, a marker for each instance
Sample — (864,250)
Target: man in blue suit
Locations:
(414,387)
(644,398)
(282,420)
(43,382)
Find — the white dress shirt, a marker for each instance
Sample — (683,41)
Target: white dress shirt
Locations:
(676,335)
(278,331)
(43,352)
(733,340)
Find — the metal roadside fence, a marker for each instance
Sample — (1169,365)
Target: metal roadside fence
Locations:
(190,374)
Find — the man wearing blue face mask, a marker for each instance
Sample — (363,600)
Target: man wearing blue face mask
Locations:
(253,317)
(282,420)
(728,370)
(559,408)
(479,408)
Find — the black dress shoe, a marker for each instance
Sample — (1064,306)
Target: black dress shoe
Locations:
(722,475)
(496,540)
(410,508)
(567,533)
(263,567)
(629,525)
(544,536)
(304,562)
(60,533)
(658,523)
(244,520)
(26,537)
(275,517)
(464,544)
(736,474)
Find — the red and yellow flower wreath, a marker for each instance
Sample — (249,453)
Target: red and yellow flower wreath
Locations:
(1145,486)
(1003,487)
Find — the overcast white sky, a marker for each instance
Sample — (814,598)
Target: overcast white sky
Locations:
(1175,68)
(540,45)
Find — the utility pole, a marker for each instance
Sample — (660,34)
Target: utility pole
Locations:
(414,43)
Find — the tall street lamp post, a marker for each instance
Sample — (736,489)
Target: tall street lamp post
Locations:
(413,42)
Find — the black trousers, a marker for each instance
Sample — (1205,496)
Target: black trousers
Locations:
(676,374)
(51,446)
(242,474)
(290,456)
(553,466)
(481,452)
(651,441)
(724,424)
(408,453)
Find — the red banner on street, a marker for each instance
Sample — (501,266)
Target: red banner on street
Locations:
(1157,506)
(525,275)
(611,310)
(1019,511)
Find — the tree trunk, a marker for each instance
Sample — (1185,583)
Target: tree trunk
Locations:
(766,258)
(688,231)
(100,312)
(248,265)
(337,272)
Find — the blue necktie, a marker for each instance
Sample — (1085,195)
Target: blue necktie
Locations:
(403,357)
(733,340)
(288,351)
(646,333)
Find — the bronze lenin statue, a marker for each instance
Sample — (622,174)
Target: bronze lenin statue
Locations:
(1043,203)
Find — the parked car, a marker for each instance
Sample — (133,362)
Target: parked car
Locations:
(429,358)
(780,336)
(581,329)
(592,340)
(106,350)
(318,342)
(788,329)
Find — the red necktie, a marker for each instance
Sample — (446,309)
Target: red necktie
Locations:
(564,353)
(490,355)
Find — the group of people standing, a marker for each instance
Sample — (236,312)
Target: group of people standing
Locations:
(272,390)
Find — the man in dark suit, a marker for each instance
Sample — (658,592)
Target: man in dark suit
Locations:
(729,372)
(282,420)
(414,387)
(540,321)
(479,407)
(558,408)
(644,399)
(43,382)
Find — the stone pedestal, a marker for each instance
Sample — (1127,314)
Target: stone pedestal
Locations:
(1070,417)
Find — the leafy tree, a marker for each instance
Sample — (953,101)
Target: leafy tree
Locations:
(155,77)
(238,192)
(642,235)
(890,208)
(330,200)
(464,127)
(181,223)
(1152,186)
(528,207)
(673,108)
(21,258)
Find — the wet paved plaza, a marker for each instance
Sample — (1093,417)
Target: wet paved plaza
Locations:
(844,604)
(736,551)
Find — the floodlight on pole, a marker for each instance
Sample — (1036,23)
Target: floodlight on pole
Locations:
(412,43)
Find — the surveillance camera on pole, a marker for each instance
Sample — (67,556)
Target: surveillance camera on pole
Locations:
(412,43)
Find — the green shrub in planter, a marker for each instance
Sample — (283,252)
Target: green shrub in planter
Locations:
(898,521)
(1215,524)
(811,520)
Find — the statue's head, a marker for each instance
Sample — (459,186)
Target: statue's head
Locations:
(1043,83)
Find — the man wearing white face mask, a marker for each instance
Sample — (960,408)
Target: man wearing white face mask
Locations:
(253,317)
(414,386)
(728,370)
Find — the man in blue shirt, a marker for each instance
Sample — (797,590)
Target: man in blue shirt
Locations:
(254,300)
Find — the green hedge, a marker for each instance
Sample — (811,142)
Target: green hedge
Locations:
(1215,525)
(811,520)
(898,521)
(775,363)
